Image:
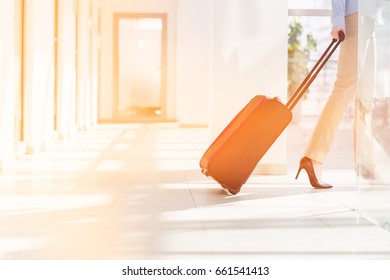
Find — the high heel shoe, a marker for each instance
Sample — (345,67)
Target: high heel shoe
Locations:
(307,164)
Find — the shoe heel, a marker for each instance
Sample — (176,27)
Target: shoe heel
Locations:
(299,171)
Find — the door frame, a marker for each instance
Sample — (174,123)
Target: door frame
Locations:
(163,97)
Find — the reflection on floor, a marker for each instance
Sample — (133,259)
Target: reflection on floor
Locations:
(135,191)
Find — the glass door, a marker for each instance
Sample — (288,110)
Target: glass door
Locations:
(139,55)
(373,112)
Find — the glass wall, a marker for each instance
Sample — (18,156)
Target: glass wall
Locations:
(372,108)
(315,20)
(373,112)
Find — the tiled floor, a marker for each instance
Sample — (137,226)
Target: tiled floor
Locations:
(135,191)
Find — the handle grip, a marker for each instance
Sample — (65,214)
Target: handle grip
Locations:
(341,35)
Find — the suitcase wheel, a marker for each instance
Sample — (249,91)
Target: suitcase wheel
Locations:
(204,171)
(231,191)
(234,192)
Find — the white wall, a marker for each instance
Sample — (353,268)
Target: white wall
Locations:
(193,61)
(108,8)
(250,58)
(220,54)
(7,87)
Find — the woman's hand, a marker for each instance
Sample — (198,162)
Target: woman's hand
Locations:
(335,32)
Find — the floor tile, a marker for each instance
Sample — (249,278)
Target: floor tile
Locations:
(136,191)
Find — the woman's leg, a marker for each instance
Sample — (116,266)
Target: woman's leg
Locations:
(344,90)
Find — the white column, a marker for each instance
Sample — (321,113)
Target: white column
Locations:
(39,74)
(94,55)
(250,58)
(7,83)
(193,62)
(66,68)
(83,65)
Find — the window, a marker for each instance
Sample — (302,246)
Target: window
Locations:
(309,4)
(314,16)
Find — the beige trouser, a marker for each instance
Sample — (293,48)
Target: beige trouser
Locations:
(344,90)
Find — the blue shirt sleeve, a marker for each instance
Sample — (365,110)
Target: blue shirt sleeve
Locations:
(343,8)
(338,13)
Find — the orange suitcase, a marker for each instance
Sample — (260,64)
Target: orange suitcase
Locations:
(234,154)
(232,157)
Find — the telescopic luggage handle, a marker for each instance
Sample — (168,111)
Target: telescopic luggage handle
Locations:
(314,72)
